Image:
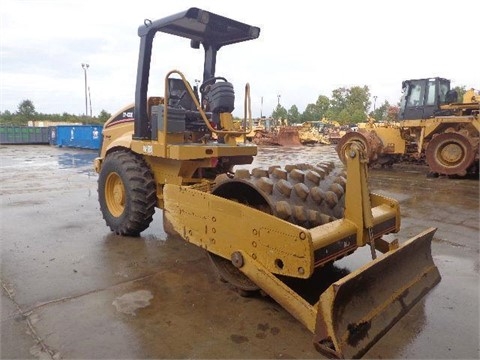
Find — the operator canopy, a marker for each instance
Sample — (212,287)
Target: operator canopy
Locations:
(202,27)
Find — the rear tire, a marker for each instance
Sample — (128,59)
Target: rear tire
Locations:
(450,154)
(126,193)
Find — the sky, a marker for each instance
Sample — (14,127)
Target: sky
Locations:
(305,49)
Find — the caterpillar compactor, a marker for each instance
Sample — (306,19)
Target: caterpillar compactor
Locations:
(262,229)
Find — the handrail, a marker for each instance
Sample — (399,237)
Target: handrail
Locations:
(199,107)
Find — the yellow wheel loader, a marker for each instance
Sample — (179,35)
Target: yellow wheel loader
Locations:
(434,127)
(262,229)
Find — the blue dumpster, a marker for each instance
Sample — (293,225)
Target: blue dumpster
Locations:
(77,136)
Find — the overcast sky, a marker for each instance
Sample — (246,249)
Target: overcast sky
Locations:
(305,49)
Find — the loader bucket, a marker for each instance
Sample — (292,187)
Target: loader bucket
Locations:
(356,311)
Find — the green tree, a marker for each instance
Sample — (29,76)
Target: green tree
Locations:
(338,102)
(349,105)
(310,113)
(6,117)
(104,116)
(280,112)
(381,112)
(322,105)
(26,110)
(315,112)
(359,98)
(293,115)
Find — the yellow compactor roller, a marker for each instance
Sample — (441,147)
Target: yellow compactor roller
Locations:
(264,228)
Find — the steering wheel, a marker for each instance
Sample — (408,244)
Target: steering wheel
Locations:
(210,81)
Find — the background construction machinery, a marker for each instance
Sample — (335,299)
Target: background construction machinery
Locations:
(434,127)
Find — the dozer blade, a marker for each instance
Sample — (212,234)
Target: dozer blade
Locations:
(356,311)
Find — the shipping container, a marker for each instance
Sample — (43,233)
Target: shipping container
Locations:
(23,135)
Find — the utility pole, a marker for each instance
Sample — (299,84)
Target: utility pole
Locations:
(278,97)
(85,67)
(90,101)
(261,107)
(374,101)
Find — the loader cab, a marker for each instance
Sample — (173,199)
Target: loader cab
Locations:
(422,98)
(203,29)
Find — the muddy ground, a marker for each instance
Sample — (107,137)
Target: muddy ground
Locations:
(71,289)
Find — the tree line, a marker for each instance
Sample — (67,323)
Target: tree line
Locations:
(26,112)
(345,105)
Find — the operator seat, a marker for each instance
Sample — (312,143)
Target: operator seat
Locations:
(180,101)
(220,98)
(178,96)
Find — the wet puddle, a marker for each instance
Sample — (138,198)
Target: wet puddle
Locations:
(129,303)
